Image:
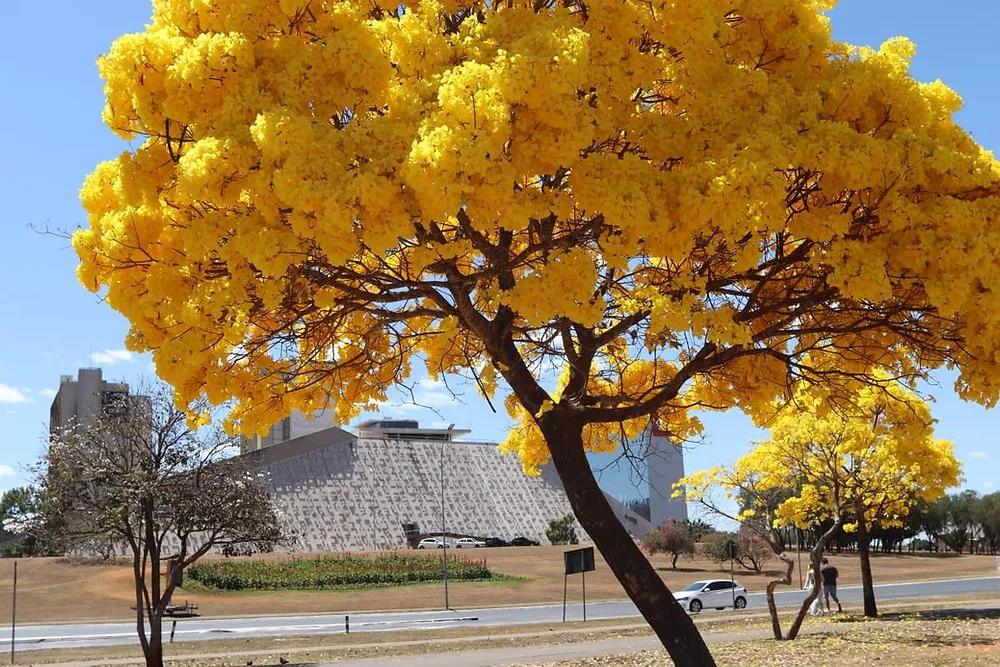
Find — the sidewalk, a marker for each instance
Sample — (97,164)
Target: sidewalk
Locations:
(550,653)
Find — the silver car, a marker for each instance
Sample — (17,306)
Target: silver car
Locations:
(469,542)
(433,543)
(718,593)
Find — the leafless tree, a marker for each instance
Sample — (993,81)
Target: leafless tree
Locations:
(145,479)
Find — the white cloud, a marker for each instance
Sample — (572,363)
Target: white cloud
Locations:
(434,394)
(433,385)
(47,393)
(6,471)
(988,485)
(978,454)
(109,357)
(13,395)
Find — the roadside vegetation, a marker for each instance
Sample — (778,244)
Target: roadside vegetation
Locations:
(337,572)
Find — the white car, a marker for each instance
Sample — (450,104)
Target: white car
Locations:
(718,593)
(433,543)
(468,542)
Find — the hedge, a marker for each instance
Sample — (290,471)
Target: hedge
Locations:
(334,572)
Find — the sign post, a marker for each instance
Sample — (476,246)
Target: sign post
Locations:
(582,561)
(13,616)
(731,548)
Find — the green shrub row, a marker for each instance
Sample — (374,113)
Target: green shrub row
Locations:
(331,573)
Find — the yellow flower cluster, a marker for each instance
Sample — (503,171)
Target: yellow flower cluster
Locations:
(877,452)
(326,189)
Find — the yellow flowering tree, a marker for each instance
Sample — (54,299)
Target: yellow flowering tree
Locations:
(679,203)
(757,504)
(860,463)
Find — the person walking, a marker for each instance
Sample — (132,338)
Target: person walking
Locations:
(810,582)
(830,574)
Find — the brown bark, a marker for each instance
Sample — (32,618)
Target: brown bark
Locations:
(772,606)
(154,657)
(140,605)
(867,581)
(815,559)
(655,602)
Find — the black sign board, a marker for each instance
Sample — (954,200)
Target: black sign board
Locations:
(731,550)
(579,560)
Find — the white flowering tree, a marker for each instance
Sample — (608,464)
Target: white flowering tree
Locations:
(149,480)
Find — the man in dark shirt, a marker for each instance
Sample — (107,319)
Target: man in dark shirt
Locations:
(830,575)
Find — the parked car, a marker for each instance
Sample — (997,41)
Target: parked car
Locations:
(497,542)
(718,593)
(468,542)
(523,542)
(433,543)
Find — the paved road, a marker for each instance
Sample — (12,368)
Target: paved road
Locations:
(102,634)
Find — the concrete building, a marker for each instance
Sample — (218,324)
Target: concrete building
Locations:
(79,402)
(295,425)
(664,467)
(394,482)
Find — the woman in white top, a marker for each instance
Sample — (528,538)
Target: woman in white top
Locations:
(810,582)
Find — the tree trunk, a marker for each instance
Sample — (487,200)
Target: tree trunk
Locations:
(671,623)
(673,562)
(772,606)
(867,585)
(154,657)
(816,559)
(140,603)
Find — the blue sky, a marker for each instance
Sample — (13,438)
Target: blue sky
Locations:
(51,136)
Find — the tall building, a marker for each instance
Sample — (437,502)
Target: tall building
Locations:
(79,402)
(664,467)
(293,426)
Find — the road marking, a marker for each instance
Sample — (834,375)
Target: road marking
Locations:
(310,627)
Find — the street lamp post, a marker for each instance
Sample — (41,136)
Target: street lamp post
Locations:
(371,469)
(444,538)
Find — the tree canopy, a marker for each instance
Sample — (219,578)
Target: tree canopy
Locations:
(676,204)
(323,190)
(862,464)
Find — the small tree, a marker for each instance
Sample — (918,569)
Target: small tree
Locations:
(715,547)
(145,479)
(696,528)
(562,531)
(752,551)
(669,538)
(20,532)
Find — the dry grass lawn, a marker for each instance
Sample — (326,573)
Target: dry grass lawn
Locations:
(52,590)
(905,641)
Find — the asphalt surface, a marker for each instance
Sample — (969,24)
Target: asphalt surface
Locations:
(106,634)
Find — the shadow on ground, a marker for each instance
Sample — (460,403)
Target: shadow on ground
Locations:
(959,614)
(900,627)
